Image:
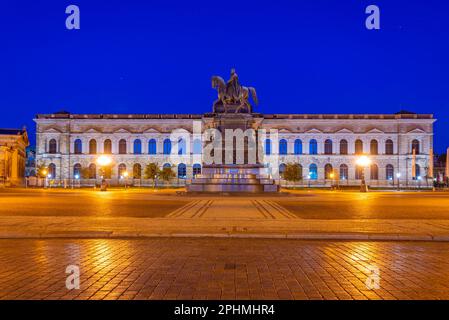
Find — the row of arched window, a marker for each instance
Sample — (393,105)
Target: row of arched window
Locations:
(197,147)
(344,172)
(123,147)
(136,171)
(329,147)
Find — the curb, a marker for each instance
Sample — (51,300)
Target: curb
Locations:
(292,236)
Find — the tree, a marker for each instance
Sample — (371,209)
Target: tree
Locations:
(152,172)
(292,172)
(85,173)
(167,173)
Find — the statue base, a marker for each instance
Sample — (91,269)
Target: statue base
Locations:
(244,178)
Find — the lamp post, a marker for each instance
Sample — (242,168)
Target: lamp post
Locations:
(363,162)
(44,173)
(125,178)
(331,175)
(103,161)
(398,175)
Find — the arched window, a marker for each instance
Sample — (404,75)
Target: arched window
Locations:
(298,146)
(121,170)
(78,146)
(343,146)
(93,146)
(359,171)
(167,146)
(281,169)
(122,146)
(137,171)
(182,171)
(196,169)
(107,147)
(181,146)
(328,146)
(77,171)
(52,171)
(344,172)
(166,165)
(92,171)
(197,146)
(152,146)
(389,170)
(374,172)
(313,147)
(283,147)
(358,146)
(374,147)
(328,171)
(313,172)
(52,146)
(389,147)
(267,146)
(137,146)
(417,172)
(415,146)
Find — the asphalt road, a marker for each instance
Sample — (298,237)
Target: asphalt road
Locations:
(146,203)
(373,205)
(224,269)
(119,203)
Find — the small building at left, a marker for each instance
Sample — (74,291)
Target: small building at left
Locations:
(13,143)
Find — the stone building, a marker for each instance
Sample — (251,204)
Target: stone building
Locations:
(13,143)
(325,145)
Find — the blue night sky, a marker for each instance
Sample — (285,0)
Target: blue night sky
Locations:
(313,56)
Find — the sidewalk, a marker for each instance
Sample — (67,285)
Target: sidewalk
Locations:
(97,227)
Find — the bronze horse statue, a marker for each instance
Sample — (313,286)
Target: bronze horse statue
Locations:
(232,94)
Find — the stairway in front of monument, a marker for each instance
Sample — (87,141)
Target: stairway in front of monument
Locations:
(232,209)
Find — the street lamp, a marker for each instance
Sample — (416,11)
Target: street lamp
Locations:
(44,173)
(363,162)
(125,177)
(398,175)
(103,161)
(332,175)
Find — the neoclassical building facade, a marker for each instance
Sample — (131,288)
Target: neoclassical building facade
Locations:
(326,146)
(13,143)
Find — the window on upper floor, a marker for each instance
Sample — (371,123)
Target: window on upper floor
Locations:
(313,147)
(122,146)
(283,147)
(93,146)
(137,146)
(167,146)
(298,146)
(415,146)
(52,146)
(374,147)
(267,146)
(328,146)
(389,147)
(358,146)
(152,146)
(343,146)
(107,146)
(78,146)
